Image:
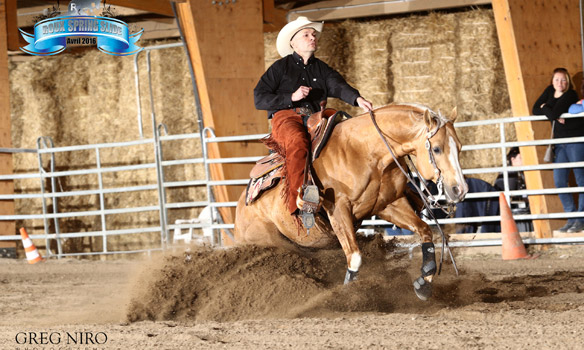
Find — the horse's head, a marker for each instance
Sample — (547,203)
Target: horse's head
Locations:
(437,155)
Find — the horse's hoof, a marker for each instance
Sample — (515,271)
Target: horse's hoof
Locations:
(423,288)
(350,276)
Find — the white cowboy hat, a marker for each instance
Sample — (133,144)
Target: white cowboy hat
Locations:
(286,34)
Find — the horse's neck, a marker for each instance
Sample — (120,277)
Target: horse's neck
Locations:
(357,152)
(359,138)
(397,127)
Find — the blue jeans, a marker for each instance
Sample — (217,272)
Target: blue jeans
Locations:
(570,152)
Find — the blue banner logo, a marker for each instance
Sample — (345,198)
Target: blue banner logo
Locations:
(50,35)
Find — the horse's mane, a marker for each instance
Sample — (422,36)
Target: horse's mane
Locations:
(417,111)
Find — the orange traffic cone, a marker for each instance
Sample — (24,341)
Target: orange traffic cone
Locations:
(513,247)
(32,254)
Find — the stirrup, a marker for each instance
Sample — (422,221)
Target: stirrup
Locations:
(309,204)
(309,200)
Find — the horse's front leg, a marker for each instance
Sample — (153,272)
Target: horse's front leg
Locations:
(401,213)
(341,219)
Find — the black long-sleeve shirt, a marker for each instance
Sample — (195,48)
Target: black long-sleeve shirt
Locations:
(555,107)
(274,90)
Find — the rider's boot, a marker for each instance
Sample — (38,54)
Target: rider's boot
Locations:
(309,202)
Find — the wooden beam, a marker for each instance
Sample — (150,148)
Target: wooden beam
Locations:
(340,9)
(26,15)
(186,22)
(123,7)
(6,166)
(158,29)
(13,35)
(274,19)
(162,7)
(226,72)
(531,50)
(520,107)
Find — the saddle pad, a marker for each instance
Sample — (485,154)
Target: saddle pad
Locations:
(266,165)
(257,186)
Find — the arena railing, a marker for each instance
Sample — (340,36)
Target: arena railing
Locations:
(52,212)
(46,148)
(165,228)
(503,145)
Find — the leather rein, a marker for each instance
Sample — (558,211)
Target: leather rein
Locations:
(424,193)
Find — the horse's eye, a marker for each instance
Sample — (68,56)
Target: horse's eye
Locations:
(436,150)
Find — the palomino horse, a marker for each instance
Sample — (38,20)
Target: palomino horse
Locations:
(359,178)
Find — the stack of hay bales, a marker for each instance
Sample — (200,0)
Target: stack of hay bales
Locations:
(90,98)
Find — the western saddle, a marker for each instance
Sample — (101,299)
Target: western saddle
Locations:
(268,171)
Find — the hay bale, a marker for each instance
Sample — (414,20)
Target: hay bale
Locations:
(271,54)
(425,68)
(370,55)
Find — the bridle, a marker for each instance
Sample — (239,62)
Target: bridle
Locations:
(430,201)
(432,159)
(427,194)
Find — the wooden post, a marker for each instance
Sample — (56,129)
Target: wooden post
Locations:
(274,19)
(6,167)
(14,39)
(531,49)
(226,47)
(156,6)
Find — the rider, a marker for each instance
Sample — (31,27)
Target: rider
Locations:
(297,85)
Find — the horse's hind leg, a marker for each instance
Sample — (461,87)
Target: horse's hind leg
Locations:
(252,228)
(264,234)
(401,213)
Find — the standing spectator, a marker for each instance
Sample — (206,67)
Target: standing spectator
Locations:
(553,102)
(578,107)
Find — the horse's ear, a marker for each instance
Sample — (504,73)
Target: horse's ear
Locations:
(453,115)
(428,120)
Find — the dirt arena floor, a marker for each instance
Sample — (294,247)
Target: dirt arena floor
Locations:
(257,298)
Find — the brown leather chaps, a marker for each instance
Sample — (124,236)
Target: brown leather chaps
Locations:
(291,135)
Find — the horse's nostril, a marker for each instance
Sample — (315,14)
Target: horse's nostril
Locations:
(455,191)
